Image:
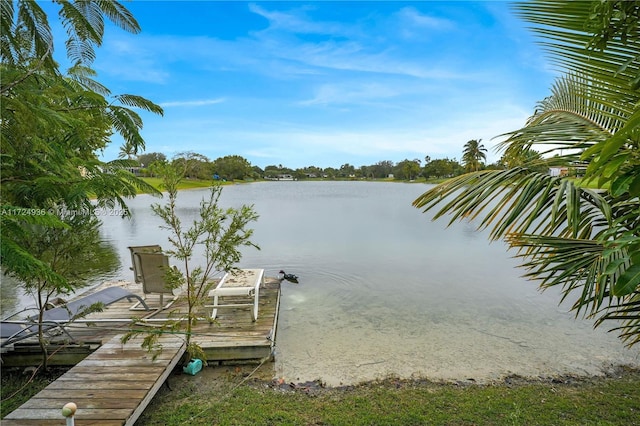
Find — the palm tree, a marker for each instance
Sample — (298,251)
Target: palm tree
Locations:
(585,241)
(473,155)
(128,151)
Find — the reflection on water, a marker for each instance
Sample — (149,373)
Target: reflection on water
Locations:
(385,291)
(94,265)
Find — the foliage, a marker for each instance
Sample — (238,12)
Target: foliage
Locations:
(232,167)
(17,388)
(473,154)
(148,158)
(219,233)
(53,127)
(440,168)
(273,171)
(585,241)
(379,170)
(192,165)
(347,170)
(83,21)
(407,169)
(529,158)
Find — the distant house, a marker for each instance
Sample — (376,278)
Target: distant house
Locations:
(558,171)
(575,169)
(279,177)
(137,171)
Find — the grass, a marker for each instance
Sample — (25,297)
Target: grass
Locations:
(593,401)
(234,399)
(185,184)
(18,387)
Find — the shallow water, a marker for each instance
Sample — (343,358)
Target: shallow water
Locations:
(385,291)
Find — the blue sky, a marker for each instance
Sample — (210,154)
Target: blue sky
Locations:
(325,83)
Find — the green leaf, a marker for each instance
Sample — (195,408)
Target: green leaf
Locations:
(614,164)
(621,185)
(613,266)
(634,186)
(628,282)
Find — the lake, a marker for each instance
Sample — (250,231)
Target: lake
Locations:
(384,291)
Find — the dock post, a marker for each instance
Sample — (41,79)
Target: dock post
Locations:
(68,411)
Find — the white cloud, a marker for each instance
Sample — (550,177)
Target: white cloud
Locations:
(296,21)
(196,103)
(409,16)
(349,92)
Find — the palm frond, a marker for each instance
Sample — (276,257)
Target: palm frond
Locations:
(568,122)
(84,22)
(517,201)
(609,57)
(587,270)
(7,39)
(627,311)
(33,21)
(136,101)
(83,75)
(128,124)
(119,15)
(585,42)
(82,30)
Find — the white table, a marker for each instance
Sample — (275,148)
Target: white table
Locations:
(240,282)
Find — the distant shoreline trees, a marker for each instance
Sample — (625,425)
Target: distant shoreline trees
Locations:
(236,167)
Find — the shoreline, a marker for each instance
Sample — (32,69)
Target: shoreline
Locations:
(223,395)
(222,385)
(262,376)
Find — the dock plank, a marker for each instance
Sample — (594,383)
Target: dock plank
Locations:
(89,403)
(107,392)
(50,422)
(54,414)
(47,404)
(110,385)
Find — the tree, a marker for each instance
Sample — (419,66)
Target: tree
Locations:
(529,158)
(193,165)
(232,167)
(309,172)
(128,151)
(149,158)
(382,169)
(441,167)
(27,40)
(473,155)
(347,170)
(53,126)
(220,232)
(585,241)
(75,252)
(407,169)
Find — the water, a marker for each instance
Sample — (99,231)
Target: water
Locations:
(386,292)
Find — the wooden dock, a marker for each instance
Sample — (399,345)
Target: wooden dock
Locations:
(232,337)
(112,386)
(115,382)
